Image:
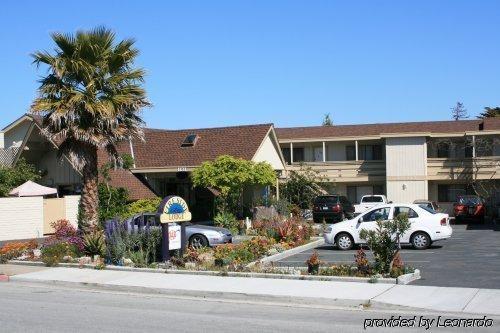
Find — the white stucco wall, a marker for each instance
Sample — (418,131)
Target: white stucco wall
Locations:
(21,218)
(268,152)
(406,169)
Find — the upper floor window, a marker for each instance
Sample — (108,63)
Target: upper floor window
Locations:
(190,140)
(298,154)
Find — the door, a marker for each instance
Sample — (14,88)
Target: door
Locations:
(318,154)
(369,220)
(412,218)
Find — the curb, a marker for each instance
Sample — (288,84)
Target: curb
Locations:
(403,279)
(208,295)
(288,253)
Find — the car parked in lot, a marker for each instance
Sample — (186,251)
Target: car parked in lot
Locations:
(469,207)
(427,203)
(197,235)
(369,201)
(332,208)
(426,226)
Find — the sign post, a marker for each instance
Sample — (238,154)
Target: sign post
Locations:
(172,211)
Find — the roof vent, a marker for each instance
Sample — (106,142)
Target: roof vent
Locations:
(190,140)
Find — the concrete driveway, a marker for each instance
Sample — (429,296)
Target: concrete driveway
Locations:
(471,258)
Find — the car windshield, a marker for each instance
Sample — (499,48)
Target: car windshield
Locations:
(427,208)
(469,200)
(372,199)
(326,199)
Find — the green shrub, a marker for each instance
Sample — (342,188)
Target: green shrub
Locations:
(227,220)
(94,243)
(141,206)
(53,254)
(384,241)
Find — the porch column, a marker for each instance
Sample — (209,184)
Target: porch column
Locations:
(277,188)
(356,148)
(473,146)
(324,152)
(291,152)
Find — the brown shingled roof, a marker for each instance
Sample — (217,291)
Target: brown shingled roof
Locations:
(162,148)
(387,128)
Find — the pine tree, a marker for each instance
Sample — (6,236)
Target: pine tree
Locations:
(459,112)
(327,121)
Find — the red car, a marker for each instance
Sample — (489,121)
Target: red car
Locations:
(469,207)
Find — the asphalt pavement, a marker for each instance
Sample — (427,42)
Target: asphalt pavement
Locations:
(36,308)
(471,258)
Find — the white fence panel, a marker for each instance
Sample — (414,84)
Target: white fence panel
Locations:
(21,218)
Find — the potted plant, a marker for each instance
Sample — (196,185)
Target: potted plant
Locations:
(313,263)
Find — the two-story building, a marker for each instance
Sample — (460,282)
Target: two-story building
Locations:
(406,161)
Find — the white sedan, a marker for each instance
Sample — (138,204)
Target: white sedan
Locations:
(427,226)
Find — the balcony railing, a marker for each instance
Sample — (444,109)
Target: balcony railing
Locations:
(346,171)
(479,168)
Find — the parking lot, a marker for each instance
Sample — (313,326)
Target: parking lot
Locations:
(471,258)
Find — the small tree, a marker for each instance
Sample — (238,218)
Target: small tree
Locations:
(384,241)
(11,177)
(459,111)
(230,175)
(327,121)
(302,187)
(490,112)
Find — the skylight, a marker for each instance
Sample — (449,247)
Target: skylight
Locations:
(190,140)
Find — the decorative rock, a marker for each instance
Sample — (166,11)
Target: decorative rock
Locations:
(67,258)
(128,262)
(84,260)
(37,253)
(190,265)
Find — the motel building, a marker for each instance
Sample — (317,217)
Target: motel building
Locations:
(406,161)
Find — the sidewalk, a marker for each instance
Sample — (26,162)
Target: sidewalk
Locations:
(457,300)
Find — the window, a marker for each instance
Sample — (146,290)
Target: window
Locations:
(377,214)
(370,152)
(352,193)
(373,199)
(443,150)
(298,154)
(450,193)
(148,219)
(326,199)
(350,153)
(286,154)
(405,210)
(190,140)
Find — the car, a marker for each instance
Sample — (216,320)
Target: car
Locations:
(427,203)
(470,207)
(426,226)
(332,208)
(369,201)
(198,235)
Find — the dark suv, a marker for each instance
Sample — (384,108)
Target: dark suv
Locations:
(332,208)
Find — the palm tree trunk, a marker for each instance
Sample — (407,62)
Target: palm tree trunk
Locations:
(89,202)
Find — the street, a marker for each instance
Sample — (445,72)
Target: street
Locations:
(43,308)
(468,259)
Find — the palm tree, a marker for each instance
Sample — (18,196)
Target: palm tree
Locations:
(91,99)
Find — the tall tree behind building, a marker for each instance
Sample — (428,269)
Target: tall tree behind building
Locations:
(327,121)
(459,111)
(490,112)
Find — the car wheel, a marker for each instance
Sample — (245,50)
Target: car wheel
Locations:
(198,241)
(344,241)
(420,241)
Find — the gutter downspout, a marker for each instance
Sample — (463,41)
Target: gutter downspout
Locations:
(132,151)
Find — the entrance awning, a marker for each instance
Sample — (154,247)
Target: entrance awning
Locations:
(32,189)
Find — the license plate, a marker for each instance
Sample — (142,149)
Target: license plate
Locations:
(325,208)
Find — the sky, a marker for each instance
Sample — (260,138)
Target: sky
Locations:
(219,63)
